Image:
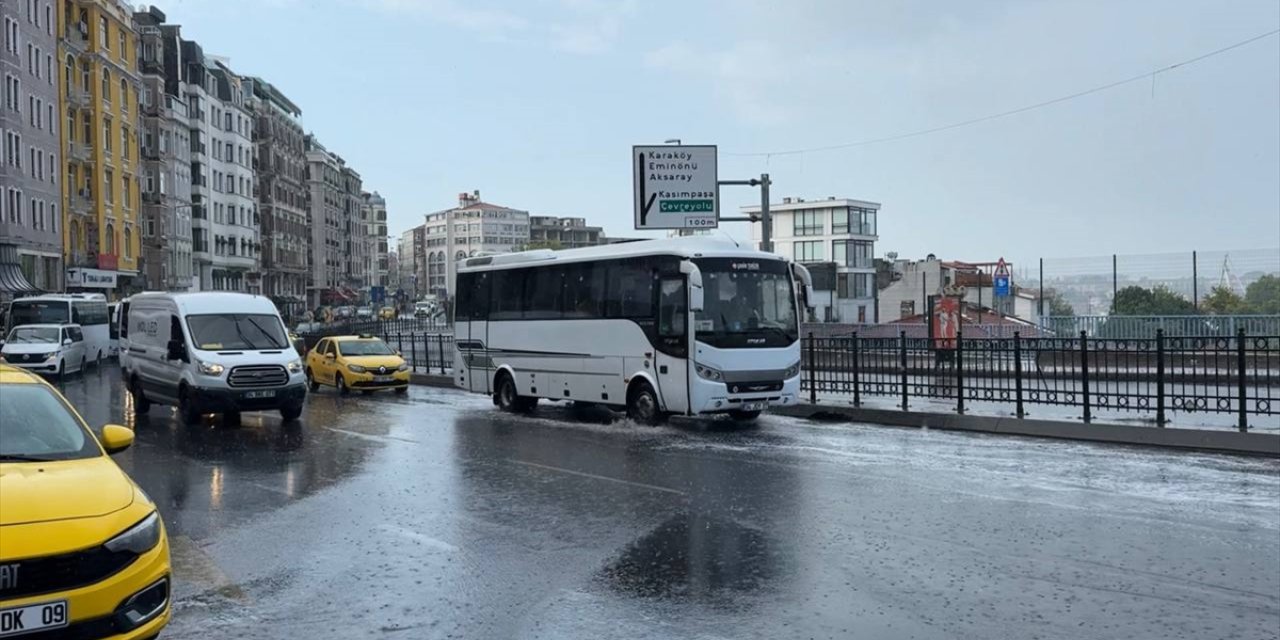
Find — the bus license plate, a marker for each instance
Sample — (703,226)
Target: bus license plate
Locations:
(753,406)
(33,617)
(266,393)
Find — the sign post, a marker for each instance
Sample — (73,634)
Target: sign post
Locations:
(676,187)
(1000,280)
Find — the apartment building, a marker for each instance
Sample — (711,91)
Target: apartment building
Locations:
(224,219)
(838,236)
(30,172)
(374,212)
(165,221)
(355,234)
(337,253)
(99,117)
(563,233)
(411,251)
(280,164)
(473,227)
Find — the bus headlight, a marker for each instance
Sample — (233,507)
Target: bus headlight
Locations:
(707,373)
(792,371)
(211,368)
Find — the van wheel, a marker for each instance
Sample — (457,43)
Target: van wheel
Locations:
(289,414)
(140,402)
(642,405)
(231,418)
(83,363)
(508,399)
(98,363)
(187,409)
(62,369)
(311,382)
(341,383)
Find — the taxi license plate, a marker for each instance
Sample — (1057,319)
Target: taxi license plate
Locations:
(265,393)
(753,406)
(383,378)
(33,617)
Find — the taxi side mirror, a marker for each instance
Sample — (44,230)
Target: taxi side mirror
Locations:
(330,356)
(116,438)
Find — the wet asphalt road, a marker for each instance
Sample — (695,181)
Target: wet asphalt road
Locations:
(435,516)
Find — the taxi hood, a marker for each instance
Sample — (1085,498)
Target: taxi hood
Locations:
(62,490)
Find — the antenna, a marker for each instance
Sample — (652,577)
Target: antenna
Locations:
(726,234)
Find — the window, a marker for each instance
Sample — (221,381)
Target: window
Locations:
(48,68)
(508,291)
(672,310)
(543,293)
(852,253)
(126,194)
(70,72)
(48,19)
(863,221)
(111,239)
(807,223)
(106,86)
(630,290)
(810,251)
(124,143)
(84,75)
(104,33)
(839,222)
(123,43)
(124,94)
(106,134)
(109,189)
(128,242)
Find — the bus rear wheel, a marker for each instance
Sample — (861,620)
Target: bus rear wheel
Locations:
(642,405)
(508,399)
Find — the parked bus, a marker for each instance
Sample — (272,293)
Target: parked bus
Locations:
(685,326)
(89,310)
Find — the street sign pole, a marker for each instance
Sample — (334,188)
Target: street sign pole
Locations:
(765,218)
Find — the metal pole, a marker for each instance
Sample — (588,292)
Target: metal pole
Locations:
(979,296)
(1160,420)
(902,352)
(1115,280)
(959,371)
(440,346)
(1017,372)
(1195,282)
(813,384)
(766,218)
(1040,302)
(1084,376)
(1240,383)
(857,393)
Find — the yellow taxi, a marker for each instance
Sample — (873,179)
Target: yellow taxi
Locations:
(83,551)
(387,313)
(363,363)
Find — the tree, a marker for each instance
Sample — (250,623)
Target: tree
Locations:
(1263,295)
(1157,301)
(1223,301)
(1056,304)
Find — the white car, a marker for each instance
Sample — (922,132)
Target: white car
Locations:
(53,349)
(364,312)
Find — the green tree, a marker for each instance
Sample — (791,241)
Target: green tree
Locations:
(1056,305)
(1263,295)
(553,245)
(1156,301)
(1223,301)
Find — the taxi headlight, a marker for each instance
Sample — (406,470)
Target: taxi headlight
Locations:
(211,368)
(295,366)
(139,538)
(707,373)
(792,371)
(404,366)
(355,368)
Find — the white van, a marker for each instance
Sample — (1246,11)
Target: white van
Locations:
(211,353)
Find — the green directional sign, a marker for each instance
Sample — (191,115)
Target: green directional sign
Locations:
(676,187)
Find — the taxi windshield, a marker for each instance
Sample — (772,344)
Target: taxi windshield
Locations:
(37,426)
(364,348)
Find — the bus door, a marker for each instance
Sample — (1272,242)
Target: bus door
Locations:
(471,327)
(672,360)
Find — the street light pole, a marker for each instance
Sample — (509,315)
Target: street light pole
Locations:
(765,217)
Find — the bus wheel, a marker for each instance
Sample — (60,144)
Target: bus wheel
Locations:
(505,396)
(744,416)
(642,405)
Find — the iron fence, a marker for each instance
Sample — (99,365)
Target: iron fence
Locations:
(426,352)
(1130,327)
(1237,375)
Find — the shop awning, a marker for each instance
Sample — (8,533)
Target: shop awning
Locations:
(13,281)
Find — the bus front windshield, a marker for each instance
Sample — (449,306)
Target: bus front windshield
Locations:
(39,312)
(746,303)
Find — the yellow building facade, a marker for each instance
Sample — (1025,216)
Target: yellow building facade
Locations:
(99,98)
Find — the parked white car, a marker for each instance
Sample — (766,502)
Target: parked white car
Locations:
(52,349)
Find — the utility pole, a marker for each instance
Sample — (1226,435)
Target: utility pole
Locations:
(765,218)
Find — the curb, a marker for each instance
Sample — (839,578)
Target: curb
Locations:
(432,380)
(1262,444)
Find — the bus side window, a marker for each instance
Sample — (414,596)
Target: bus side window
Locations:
(78,313)
(584,291)
(672,308)
(630,291)
(462,305)
(508,291)
(480,296)
(543,292)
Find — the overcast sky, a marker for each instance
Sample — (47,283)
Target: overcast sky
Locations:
(537,102)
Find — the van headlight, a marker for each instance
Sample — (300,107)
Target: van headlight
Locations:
(52,355)
(295,366)
(707,373)
(140,538)
(355,368)
(211,368)
(792,371)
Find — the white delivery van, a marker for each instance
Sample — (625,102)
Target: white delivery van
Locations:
(211,353)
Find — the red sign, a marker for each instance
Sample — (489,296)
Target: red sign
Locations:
(946,322)
(1002,269)
(108,261)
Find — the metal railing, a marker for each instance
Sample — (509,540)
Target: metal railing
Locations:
(1237,375)
(426,352)
(1173,326)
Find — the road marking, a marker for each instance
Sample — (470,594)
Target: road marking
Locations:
(593,476)
(414,535)
(367,436)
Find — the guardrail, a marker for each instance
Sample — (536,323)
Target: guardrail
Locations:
(1173,326)
(1238,375)
(426,352)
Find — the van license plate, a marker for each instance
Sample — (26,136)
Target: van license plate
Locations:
(267,393)
(33,617)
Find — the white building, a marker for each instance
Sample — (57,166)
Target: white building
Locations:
(912,282)
(472,228)
(224,215)
(374,214)
(836,232)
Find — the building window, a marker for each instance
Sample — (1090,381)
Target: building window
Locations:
(106,135)
(839,222)
(109,187)
(863,221)
(126,194)
(104,33)
(123,43)
(809,251)
(84,75)
(807,223)
(128,242)
(124,95)
(106,87)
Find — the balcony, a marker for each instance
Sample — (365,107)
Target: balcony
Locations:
(76,37)
(78,98)
(82,203)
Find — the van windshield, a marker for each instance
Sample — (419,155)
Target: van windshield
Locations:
(33,335)
(233,331)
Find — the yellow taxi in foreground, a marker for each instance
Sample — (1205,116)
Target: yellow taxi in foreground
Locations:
(83,552)
(363,362)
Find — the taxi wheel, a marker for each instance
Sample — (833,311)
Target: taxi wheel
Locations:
(341,383)
(311,382)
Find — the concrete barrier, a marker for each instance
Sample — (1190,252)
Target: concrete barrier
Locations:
(1265,444)
(432,380)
